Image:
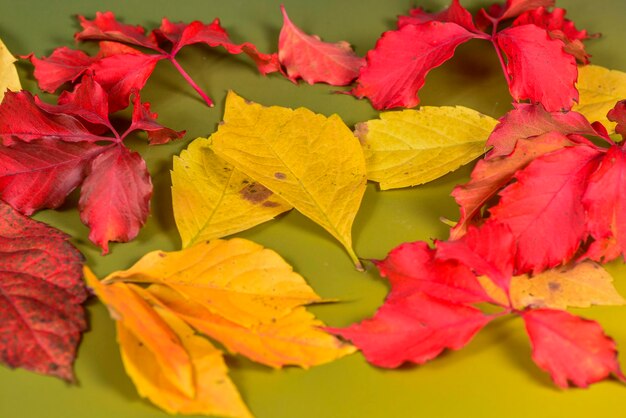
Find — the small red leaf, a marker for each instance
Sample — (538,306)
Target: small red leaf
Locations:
(62,66)
(396,68)
(115,197)
(307,57)
(618,115)
(145,120)
(570,348)
(414,329)
(513,8)
(41,292)
(455,13)
(539,69)
(105,27)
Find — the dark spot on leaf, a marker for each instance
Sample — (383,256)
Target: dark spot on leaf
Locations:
(162,255)
(554,286)
(255,193)
(270,204)
(280,176)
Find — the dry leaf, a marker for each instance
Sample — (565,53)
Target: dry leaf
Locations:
(313,162)
(599,88)
(416,146)
(213,199)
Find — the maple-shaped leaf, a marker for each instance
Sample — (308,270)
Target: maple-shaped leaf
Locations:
(41,293)
(550,188)
(213,199)
(311,161)
(307,57)
(49,150)
(9,79)
(560,340)
(416,146)
(397,67)
(599,88)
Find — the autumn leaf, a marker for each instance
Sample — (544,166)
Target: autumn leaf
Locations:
(416,146)
(577,286)
(41,296)
(8,73)
(213,199)
(307,57)
(599,88)
(313,162)
(49,150)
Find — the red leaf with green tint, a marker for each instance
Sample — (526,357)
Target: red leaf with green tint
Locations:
(41,292)
(570,348)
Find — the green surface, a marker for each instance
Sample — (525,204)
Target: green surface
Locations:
(492,377)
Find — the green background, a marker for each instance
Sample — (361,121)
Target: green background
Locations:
(492,376)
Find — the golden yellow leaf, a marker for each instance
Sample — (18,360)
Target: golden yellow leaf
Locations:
(138,317)
(241,294)
(599,88)
(581,286)
(8,72)
(413,147)
(215,392)
(313,162)
(212,199)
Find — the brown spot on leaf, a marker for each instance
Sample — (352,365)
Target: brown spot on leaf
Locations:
(255,193)
(554,286)
(280,176)
(270,204)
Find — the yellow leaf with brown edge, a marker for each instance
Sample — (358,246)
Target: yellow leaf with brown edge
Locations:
(313,162)
(213,199)
(139,318)
(599,89)
(8,73)
(411,147)
(215,392)
(241,294)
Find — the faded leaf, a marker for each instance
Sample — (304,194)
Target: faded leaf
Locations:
(213,199)
(8,72)
(599,88)
(311,161)
(243,295)
(578,286)
(416,146)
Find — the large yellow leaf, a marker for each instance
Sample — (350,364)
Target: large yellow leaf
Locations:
(416,146)
(241,294)
(315,163)
(213,199)
(8,72)
(599,88)
(581,286)
(215,392)
(136,315)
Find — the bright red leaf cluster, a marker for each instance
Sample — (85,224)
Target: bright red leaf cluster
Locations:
(49,150)
(41,293)
(538,52)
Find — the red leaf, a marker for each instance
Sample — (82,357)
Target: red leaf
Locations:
(414,329)
(539,69)
(307,57)
(543,207)
(62,66)
(490,175)
(397,66)
(527,121)
(115,197)
(88,101)
(41,292)
(145,120)
(23,118)
(412,267)
(559,28)
(488,251)
(514,8)
(105,27)
(42,173)
(605,203)
(454,14)
(618,115)
(570,348)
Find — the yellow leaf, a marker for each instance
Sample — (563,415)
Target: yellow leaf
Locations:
(599,88)
(315,163)
(241,294)
(215,392)
(8,72)
(413,147)
(581,286)
(212,199)
(136,315)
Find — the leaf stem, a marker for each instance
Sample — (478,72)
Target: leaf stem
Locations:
(355,259)
(189,80)
(494,32)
